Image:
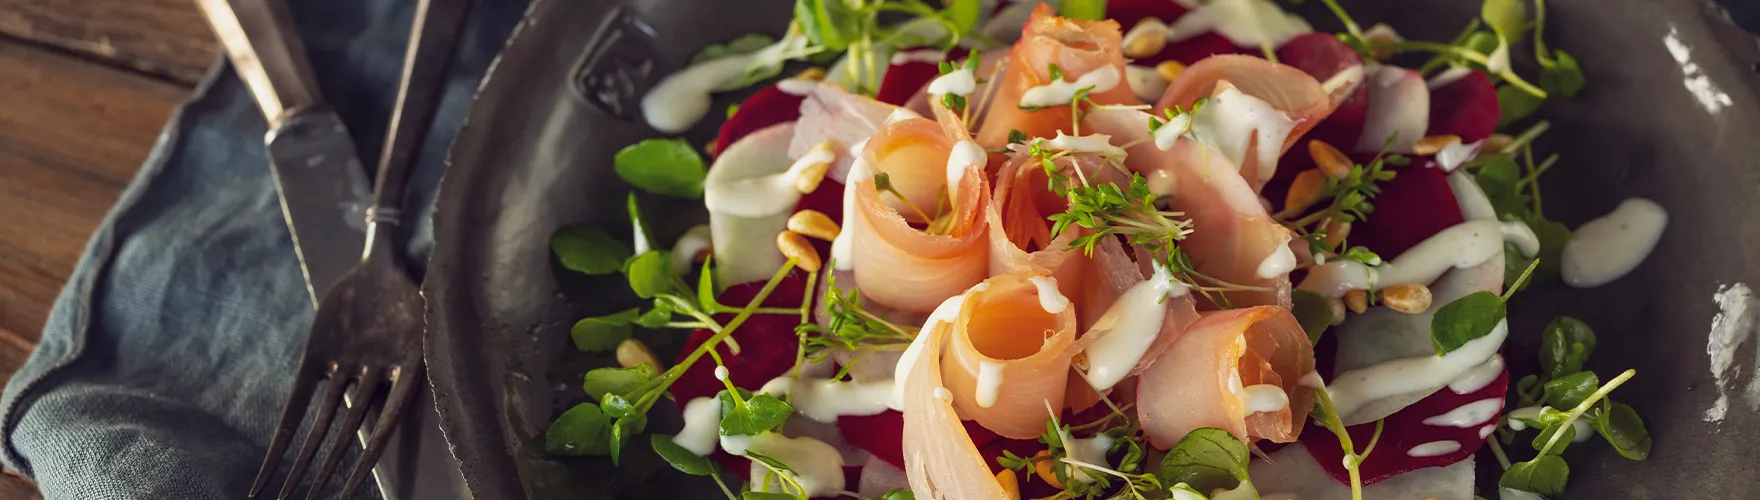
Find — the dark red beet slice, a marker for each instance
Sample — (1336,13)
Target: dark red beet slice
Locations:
(1323,56)
(1405,430)
(1466,107)
(767,350)
(1413,206)
(905,80)
(769,106)
(1130,12)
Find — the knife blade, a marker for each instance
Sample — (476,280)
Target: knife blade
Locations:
(318,175)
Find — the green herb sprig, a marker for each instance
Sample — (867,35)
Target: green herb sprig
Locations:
(1325,413)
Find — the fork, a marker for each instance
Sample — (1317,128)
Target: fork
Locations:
(368,328)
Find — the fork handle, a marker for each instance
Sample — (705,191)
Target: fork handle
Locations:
(433,36)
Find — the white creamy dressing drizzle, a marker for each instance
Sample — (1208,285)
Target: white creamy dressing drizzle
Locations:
(964,155)
(1061,92)
(1468,415)
(1462,246)
(1434,449)
(1050,299)
(1280,262)
(721,373)
(1130,326)
(1247,23)
(1447,77)
(1100,144)
(1479,377)
(1455,154)
(824,400)
(695,240)
(1472,201)
(1145,81)
(1485,432)
(960,82)
(927,56)
(899,115)
(1612,245)
(1161,183)
(1264,397)
(1312,379)
(989,383)
(1353,389)
(702,426)
(764,195)
(682,98)
(1169,133)
(797,86)
(1522,236)
(1090,451)
(842,249)
(817,466)
(1232,120)
(1399,107)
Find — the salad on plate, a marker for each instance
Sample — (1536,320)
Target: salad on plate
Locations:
(1126,249)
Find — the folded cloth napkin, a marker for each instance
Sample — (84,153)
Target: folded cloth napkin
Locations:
(164,363)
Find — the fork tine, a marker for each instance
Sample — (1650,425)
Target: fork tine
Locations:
(360,398)
(319,432)
(292,412)
(402,387)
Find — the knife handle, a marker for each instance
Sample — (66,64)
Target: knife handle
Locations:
(265,48)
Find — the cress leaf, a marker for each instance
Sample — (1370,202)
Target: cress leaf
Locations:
(1092,10)
(1565,345)
(1207,459)
(1483,42)
(1528,390)
(1622,428)
(588,250)
(602,333)
(1313,312)
(616,406)
(1552,421)
(680,458)
(1563,77)
(964,14)
(1498,180)
(760,413)
(828,23)
(657,317)
(1509,18)
(1515,104)
(1570,390)
(1514,264)
(1545,475)
(668,167)
(899,494)
(1552,236)
(582,430)
(650,274)
(622,430)
(622,382)
(1464,320)
(739,46)
(765,495)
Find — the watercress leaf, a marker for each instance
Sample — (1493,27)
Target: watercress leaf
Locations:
(766,62)
(1314,313)
(1528,390)
(1498,180)
(1545,475)
(1515,104)
(899,494)
(743,45)
(828,23)
(1207,459)
(1565,345)
(680,458)
(1481,41)
(1464,320)
(1509,18)
(657,317)
(603,333)
(760,413)
(964,14)
(1092,10)
(582,430)
(588,250)
(765,495)
(650,274)
(668,167)
(1553,237)
(1569,435)
(643,241)
(615,406)
(622,430)
(1562,77)
(1514,264)
(601,382)
(1622,428)
(1570,390)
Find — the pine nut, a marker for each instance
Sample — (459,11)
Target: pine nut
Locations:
(1330,160)
(1043,469)
(814,73)
(1496,143)
(795,246)
(1357,301)
(1170,70)
(1336,232)
(1337,305)
(813,224)
(1429,146)
(1011,487)
(1145,39)
(1304,192)
(632,353)
(1412,298)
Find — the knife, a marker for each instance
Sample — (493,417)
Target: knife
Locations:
(318,174)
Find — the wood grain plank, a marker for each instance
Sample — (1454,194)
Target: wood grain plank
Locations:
(72,133)
(161,37)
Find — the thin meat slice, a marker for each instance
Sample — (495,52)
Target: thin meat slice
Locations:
(940,457)
(1077,47)
(1111,274)
(1233,239)
(829,113)
(897,264)
(1020,236)
(1215,371)
(1009,353)
(1236,122)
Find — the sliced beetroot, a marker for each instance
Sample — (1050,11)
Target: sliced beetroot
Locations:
(1130,12)
(1323,56)
(905,78)
(1406,430)
(767,342)
(1466,107)
(1411,208)
(770,106)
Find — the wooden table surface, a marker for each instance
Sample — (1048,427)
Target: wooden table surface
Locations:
(85,87)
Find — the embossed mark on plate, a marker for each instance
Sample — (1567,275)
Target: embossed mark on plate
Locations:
(618,65)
